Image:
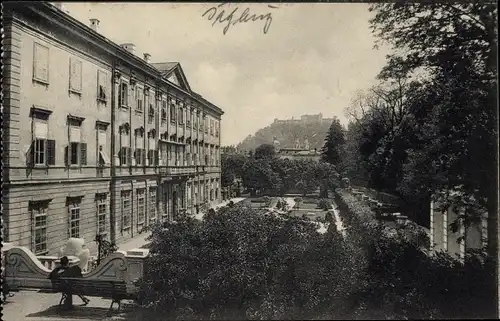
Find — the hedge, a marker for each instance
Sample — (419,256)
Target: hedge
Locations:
(403,281)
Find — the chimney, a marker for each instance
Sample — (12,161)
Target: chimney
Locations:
(147,57)
(94,24)
(130,47)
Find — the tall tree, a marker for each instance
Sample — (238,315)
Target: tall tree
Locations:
(332,151)
(455,47)
(265,151)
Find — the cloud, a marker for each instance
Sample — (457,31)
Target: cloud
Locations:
(313,59)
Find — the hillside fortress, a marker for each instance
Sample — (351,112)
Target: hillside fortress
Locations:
(304,119)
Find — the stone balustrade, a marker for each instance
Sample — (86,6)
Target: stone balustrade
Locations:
(23,269)
(51,262)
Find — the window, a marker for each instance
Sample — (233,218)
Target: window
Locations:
(211,127)
(217,124)
(123,95)
(74,217)
(126,210)
(75,75)
(77,154)
(152,157)
(42,150)
(125,150)
(152,152)
(76,151)
(102,81)
(188,117)
(102,151)
(151,115)
(140,156)
(164,112)
(41,63)
(181,115)
(152,204)
(140,99)
(173,116)
(38,212)
(141,206)
(206,125)
(124,155)
(101,213)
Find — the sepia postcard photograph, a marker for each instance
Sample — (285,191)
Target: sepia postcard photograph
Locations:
(249,161)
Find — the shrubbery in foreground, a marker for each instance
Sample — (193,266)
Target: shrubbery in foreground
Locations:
(241,263)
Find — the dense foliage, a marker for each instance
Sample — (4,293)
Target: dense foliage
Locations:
(402,281)
(266,173)
(241,263)
(429,126)
(333,150)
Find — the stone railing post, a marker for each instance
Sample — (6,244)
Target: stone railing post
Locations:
(136,263)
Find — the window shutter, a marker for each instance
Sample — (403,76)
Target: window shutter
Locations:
(66,155)
(51,152)
(83,153)
(30,155)
(129,96)
(143,155)
(120,93)
(123,153)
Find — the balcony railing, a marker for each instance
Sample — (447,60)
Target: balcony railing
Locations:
(212,169)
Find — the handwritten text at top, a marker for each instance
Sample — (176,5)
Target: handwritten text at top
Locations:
(218,14)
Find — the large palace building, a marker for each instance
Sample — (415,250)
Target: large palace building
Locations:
(96,141)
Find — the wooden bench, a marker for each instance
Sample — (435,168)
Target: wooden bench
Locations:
(114,290)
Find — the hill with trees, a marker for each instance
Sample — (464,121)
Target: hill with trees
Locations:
(287,131)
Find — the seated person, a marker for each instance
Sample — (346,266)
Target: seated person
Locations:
(64,270)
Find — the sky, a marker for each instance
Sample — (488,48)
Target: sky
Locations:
(312,59)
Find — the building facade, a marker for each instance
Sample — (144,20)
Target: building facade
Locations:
(298,152)
(97,141)
(305,119)
(455,242)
